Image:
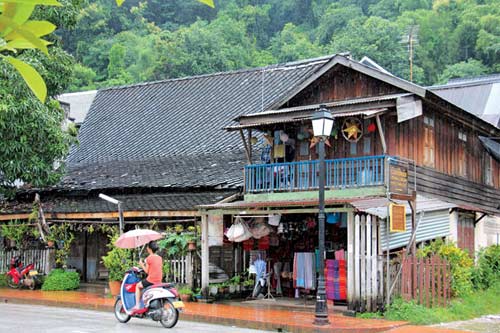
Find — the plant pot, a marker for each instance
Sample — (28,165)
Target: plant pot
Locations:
(213,291)
(185,298)
(114,287)
(50,244)
(232,289)
(238,288)
(191,246)
(221,290)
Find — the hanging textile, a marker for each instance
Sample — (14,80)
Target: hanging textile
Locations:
(304,270)
(277,276)
(336,280)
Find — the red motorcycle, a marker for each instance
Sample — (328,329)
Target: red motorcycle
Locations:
(19,275)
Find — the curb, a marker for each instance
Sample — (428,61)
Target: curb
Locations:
(238,322)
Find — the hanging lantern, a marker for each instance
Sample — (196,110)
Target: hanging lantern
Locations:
(371,128)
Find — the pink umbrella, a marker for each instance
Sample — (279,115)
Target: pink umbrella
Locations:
(135,238)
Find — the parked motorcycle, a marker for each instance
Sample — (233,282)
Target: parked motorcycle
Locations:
(159,302)
(19,275)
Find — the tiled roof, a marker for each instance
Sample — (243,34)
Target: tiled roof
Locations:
(178,201)
(180,117)
(217,170)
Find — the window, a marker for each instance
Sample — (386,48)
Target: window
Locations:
(462,136)
(462,153)
(488,170)
(429,141)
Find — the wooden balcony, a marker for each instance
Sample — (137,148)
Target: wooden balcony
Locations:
(341,173)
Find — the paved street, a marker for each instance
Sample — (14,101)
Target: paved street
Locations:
(34,318)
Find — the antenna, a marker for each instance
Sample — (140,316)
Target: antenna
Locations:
(411,38)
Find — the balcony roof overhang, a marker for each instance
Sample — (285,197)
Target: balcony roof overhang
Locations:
(304,114)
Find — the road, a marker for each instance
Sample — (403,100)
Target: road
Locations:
(34,318)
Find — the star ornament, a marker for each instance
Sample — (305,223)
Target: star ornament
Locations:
(352,131)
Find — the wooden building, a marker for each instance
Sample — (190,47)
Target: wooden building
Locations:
(392,142)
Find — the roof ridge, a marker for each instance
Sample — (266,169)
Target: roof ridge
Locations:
(272,67)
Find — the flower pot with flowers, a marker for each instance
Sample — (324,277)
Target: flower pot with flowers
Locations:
(117,261)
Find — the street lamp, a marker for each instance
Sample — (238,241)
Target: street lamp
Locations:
(119,204)
(322,121)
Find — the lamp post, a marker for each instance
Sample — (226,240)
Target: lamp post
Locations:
(322,121)
(120,210)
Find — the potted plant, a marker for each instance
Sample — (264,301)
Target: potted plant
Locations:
(234,284)
(117,261)
(186,293)
(214,288)
(191,238)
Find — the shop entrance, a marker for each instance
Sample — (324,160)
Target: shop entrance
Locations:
(286,256)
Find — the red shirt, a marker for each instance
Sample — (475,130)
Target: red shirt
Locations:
(155,272)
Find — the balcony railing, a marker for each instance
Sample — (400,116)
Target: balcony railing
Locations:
(304,175)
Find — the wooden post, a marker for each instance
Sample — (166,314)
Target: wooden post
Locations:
(369,269)
(204,255)
(189,269)
(429,283)
(414,284)
(350,260)
(374,263)
(362,252)
(357,282)
(247,150)
(432,281)
(422,268)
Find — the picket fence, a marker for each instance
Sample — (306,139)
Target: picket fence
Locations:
(43,259)
(426,280)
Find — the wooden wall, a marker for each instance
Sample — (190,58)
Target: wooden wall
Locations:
(341,83)
(406,139)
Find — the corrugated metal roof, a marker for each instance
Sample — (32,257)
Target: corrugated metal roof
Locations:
(480,97)
(328,105)
(378,206)
(434,224)
(366,113)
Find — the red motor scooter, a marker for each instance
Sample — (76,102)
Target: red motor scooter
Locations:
(19,275)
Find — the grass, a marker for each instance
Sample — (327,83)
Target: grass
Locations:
(477,304)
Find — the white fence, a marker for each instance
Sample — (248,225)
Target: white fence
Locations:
(43,259)
(182,269)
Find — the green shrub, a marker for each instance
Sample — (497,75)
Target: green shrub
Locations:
(59,279)
(461,265)
(487,270)
(185,290)
(3,280)
(117,260)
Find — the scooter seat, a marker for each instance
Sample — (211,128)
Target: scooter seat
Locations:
(160,285)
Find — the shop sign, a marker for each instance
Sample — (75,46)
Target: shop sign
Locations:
(398,178)
(397,218)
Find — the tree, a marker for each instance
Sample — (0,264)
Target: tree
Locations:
(292,44)
(378,38)
(469,68)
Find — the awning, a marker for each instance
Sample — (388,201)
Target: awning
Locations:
(365,113)
(378,206)
(492,146)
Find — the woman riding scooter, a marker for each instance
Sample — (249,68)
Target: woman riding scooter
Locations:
(153,268)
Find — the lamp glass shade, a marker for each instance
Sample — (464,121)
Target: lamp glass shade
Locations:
(322,122)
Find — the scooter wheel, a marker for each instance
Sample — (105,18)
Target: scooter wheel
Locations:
(11,283)
(170,315)
(120,313)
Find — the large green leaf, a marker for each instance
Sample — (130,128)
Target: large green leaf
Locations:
(35,2)
(37,28)
(208,3)
(18,12)
(20,43)
(31,77)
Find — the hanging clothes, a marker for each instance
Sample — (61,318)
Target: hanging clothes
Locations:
(304,270)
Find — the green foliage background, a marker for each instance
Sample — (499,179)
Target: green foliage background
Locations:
(156,39)
(58,279)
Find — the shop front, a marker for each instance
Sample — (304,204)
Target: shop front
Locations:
(278,247)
